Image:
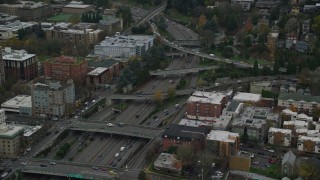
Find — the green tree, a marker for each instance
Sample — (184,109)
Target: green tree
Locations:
(255,70)
(308,170)
(247,41)
(171,93)
(186,154)
(316,25)
(158,96)
(276,66)
(22,33)
(142,176)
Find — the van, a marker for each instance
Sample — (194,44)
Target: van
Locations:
(122,148)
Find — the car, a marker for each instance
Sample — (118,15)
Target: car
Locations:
(239,81)
(100,155)
(137,115)
(271,150)
(110,162)
(212,55)
(76,117)
(267,165)
(4,174)
(110,125)
(213,165)
(23,163)
(116,155)
(216,84)
(260,153)
(252,155)
(28,149)
(256,162)
(130,146)
(114,165)
(155,117)
(95,168)
(119,159)
(148,122)
(177,106)
(43,165)
(52,163)
(120,124)
(122,148)
(272,161)
(170,81)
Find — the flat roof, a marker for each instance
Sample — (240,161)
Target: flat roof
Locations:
(77,6)
(16,102)
(167,161)
(296,123)
(299,97)
(125,41)
(29,130)
(223,136)
(207,97)
(11,131)
(262,83)
(97,71)
(242,96)
(16,55)
(305,138)
(284,131)
(220,123)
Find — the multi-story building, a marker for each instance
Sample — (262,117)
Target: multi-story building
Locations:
(293,125)
(308,144)
(64,68)
(2,72)
(306,26)
(124,46)
(245,4)
(10,30)
(256,121)
(222,143)
(111,25)
(258,87)
(302,103)
(71,35)
(27,10)
(205,104)
(19,64)
(10,138)
(98,76)
(180,135)
(52,98)
(20,104)
(279,137)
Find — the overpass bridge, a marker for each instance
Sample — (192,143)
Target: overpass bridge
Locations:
(126,130)
(188,43)
(180,71)
(147,17)
(132,96)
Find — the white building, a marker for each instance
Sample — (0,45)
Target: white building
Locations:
(296,124)
(222,143)
(124,46)
(247,97)
(301,102)
(309,144)
(20,104)
(280,137)
(10,30)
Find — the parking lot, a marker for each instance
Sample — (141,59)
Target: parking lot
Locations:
(99,149)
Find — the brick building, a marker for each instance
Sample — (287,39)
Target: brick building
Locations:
(179,135)
(64,68)
(205,104)
(19,64)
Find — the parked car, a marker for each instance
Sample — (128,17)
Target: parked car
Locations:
(52,163)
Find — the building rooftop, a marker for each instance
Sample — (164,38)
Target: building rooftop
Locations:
(18,101)
(52,85)
(102,62)
(66,60)
(296,123)
(220,123)
(207,97)
(223,136)
(16,26)
(289,157)
(261,84)
(97,71)
(16,55)
(306,138)
(29,130)
(284,131)
(108,20)
(167,161)
(10,131)
(125,41)
(299,97)
(255,117)
(26,4)
(185,132)
(234,106)
(242,96)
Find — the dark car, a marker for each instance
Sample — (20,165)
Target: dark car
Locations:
(119,159)
(155,117)
(43,165)
(114,165)
(260,153)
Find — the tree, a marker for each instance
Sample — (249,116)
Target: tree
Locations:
(276,66)
(255,19)
(316,25)
(202,21)
(186,154)
(245,137)
(171,92)
(292,25)
(308,170)
(304,76)
(74,19)
(247,41)
(22,33)
(158,96)
(255,70)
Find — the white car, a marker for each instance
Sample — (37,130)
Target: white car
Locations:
(23,163)
(116,155)
(4,174)
(110,125)
(122,148)
(212,55)
(28,149)
(52,163)
(271,150)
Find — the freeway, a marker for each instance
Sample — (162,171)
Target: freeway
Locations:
(180,71)
(127,129)
(147,17)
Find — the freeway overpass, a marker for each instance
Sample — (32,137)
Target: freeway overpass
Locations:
(188,43)
(126,130)
(146,18)
(180,71)
(132,96)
